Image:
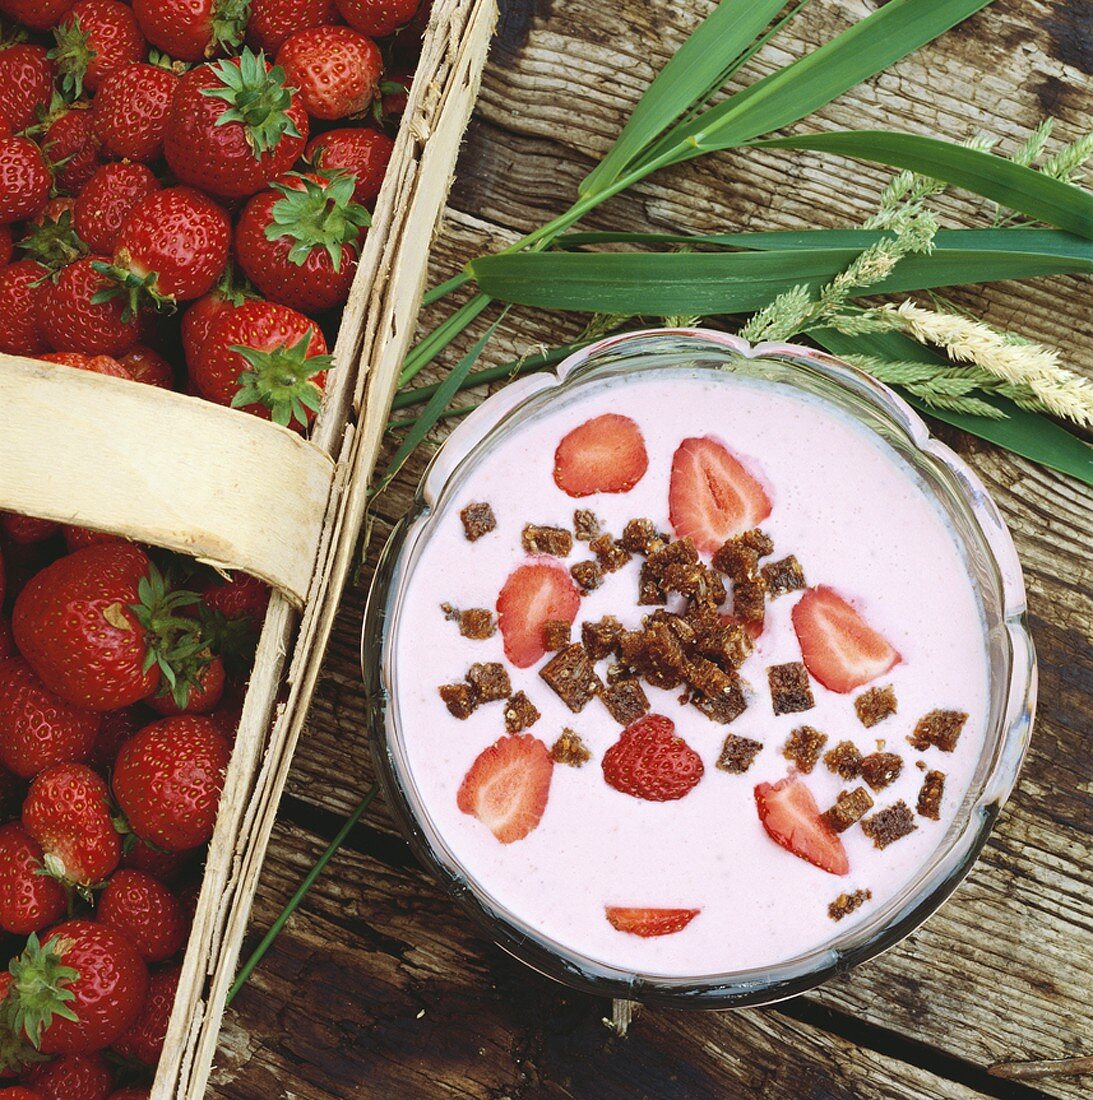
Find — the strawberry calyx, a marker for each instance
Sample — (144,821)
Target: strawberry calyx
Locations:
(233,287)
(257,98)
(234,641)
(229,23)
(137,290)
(12,34)
(165,61)
(317,213)
(53,242)
(73,54)
(281,379)
(39,988)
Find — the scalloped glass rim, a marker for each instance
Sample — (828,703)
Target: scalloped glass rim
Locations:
(992,560)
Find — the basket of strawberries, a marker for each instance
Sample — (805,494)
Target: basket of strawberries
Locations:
(211,224)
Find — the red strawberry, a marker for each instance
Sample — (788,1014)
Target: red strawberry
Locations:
(336,70)
(378,18)
(792,819)
(39,15)
(93,40)
(234,126)
(197,322)
(362,152)
(172,247)
(67,811)
(23,289)
(148,366)
(298,243)
(74,321)
(272,21)
(396,94)
(38,728)
(109,198)
(167,781)
(534,595)
(712,496)
(26,530)
(72,1077)
(838,646)
(105,977)
(602,455)
(26,84)
(192,30)
(144,1040)
(97,364)
(242,596)
(29,900)
(100,627)
(507,786)
(116,728)
(7,642)
(649,922)
(71,147)
(7,246)
(649,761)
(77,538)
(163,866)
(130,1093)
(204,695)
(279,377)
(25,180)
(130,110)
(145,912)
(20,1092)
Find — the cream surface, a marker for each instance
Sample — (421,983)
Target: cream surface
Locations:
(857,519)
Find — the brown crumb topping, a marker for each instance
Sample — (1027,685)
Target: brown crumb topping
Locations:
(460,699)
(790,692)
(637,536)
(881,769)
(941,728)
(611,556)
(572,677)
(556,634)
(477,623)
(929,797)
(749,600)
(736,559)
(600,637)
(738,754)
(586,525)
(626,700)
(875,705)
(478,520)
(759,541)
(587,574)
(660,656)
(490,681)
(804,747)
(849,807)
(889,825)
(570,749)
(845,904)
(844,760)
(719,695)
(556,541)
(783,576)
(520,713)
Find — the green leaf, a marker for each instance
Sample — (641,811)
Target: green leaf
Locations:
(1010,185)
(1029,434)
(706,283)
(698,67)
(791,93)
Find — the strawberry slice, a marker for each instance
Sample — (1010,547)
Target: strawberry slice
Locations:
(649,922)
(712,497)
(533,596)
(649,761)
(603,455)
(792,819)
(839,647)
(506,787)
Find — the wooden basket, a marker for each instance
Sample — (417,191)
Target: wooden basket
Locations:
(252,496)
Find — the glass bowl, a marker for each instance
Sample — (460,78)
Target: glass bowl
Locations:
(996,576)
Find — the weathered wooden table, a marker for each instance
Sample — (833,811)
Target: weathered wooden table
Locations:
(378,987)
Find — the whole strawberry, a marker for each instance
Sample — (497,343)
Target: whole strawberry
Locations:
(23,289)
(94,39)
(144,1041)
(192,30)
(145,912)
(102,628)
(20,1092)
(51,238)
(335,70)
(272,21)
(29,900)
(37,727)
(168,779)
(26,84)
(25,180)
(72,1077)
(148,366)
(26,530)
(39,15)
(76,314)
(233,126)
(78,990)
(67,811)
(97,364)
(650,762)
(280,372)
(76,538)
(198,320)
(299,242)
(204,694)
(107,200)
(71,146)
(378,18)
(243,596)
(357,150)
(130,110)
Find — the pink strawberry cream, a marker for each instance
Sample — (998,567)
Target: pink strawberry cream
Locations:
(674,833)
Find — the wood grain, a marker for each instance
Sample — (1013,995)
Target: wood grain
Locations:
(1002,973)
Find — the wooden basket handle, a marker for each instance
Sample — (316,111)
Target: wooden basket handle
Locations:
(160,467)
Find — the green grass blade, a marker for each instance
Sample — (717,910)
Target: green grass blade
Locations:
(868,47)
(1029,434)
(1010,185)
(709,283)
(698,68)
